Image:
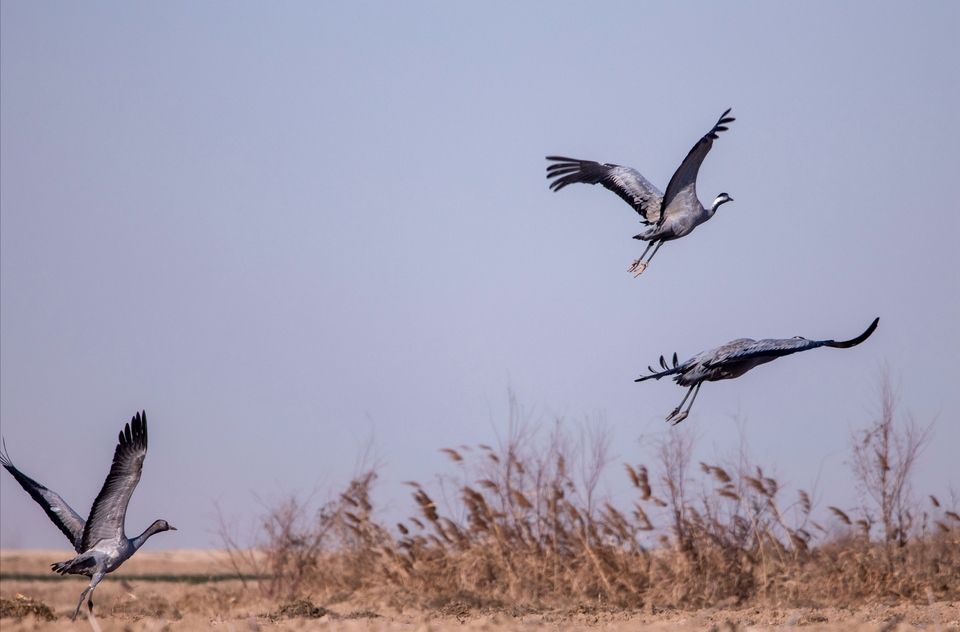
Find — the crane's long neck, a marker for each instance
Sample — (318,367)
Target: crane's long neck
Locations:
(723,198)
(156,527)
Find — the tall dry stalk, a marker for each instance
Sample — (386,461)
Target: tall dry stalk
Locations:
(884,457)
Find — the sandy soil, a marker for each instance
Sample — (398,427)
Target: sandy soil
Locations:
(130,603)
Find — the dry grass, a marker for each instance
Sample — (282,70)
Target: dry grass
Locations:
(519,535)
(522,528)
(145,606)
(155,606)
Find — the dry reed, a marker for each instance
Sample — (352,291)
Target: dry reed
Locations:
(522,525)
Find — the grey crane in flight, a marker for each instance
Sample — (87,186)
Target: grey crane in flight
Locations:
(100,541)
(734,359)
(673,214)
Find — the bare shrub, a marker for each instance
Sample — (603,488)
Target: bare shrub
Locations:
(730,539)
(245,560)
(884,456)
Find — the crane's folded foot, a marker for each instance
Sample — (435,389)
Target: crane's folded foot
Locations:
(676,416)
(637,267)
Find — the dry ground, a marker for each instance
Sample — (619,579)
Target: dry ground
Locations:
(133,600)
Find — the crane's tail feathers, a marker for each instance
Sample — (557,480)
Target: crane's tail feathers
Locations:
(846,344)
(75,566)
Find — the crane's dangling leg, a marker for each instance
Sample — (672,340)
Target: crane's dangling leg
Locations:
(676,411)
(684,414)
(637,262)
(643,266)
(97,576)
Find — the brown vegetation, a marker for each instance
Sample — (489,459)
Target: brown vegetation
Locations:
(153,606)
(520,533)
(524,527)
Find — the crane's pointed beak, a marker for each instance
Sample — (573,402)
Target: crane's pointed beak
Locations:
(171,527)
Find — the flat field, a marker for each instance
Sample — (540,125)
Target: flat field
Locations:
(198,590)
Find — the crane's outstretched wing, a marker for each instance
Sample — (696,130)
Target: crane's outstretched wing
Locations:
(632,187)
(683,184)
(57,510)
(110,507)
(667,369)
(774,348)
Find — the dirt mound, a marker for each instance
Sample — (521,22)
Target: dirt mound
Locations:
(360,614)
(20,607)
(300,609)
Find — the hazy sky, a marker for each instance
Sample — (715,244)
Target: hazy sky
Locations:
(283,229)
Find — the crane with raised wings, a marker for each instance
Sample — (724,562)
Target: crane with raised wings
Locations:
(673,214)
(100,541)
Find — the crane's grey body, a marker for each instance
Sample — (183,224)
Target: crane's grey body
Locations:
(676,225)
(674,214)
(736,358)
(100,541)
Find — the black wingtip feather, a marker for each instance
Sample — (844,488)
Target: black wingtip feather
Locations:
(721,125)
(656,374)
(134,434)
(562,171)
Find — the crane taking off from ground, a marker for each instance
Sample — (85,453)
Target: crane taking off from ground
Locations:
(674,214)
(734,359)
(100,541)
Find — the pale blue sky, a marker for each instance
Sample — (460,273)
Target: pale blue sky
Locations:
(281,229)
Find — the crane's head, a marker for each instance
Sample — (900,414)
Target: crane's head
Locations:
(162,525)
(723,198)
